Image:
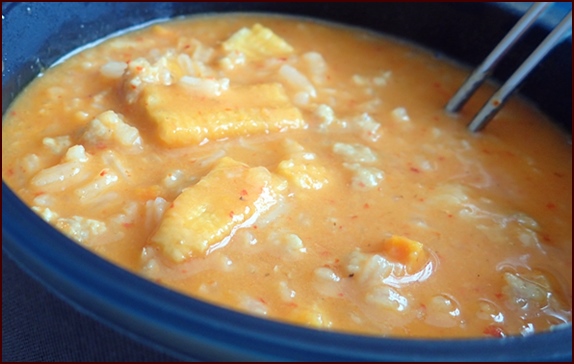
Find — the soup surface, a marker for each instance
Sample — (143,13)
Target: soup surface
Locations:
(303,172)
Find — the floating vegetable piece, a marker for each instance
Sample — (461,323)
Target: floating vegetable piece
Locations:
(403,250)
(257,43)
(185,117)
(205,216)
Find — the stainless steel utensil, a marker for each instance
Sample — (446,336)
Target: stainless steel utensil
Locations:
(496,101)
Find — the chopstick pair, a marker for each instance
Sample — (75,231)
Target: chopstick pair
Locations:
(497,100)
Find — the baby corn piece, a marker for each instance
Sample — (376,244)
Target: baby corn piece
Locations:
(257,43)
(303,173)
(302,168)
(184,117)
(309,316)
(205,216)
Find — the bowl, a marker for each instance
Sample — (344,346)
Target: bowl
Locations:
(35,35)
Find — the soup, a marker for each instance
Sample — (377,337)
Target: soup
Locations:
(303,172)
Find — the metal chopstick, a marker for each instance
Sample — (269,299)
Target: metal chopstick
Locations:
(495,103)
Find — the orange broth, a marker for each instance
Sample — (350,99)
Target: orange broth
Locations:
(304,172)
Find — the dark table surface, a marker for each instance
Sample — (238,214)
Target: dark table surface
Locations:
(38,326)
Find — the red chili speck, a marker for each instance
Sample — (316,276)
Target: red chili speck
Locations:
(231,213)
(559,175)
(13,113)
(550,206)
(366,205)
(494,331)
(127,225)
(416,170)
(243,192)
(103,173)
(498,295)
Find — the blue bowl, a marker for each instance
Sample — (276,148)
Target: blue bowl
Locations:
(34,35)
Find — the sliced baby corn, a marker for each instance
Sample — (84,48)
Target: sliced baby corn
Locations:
(257,43)
(302,168)
(183,116)
(205,216)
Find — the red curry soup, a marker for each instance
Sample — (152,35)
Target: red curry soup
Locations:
(303,172)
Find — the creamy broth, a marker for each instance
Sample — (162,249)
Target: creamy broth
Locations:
(302,172)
